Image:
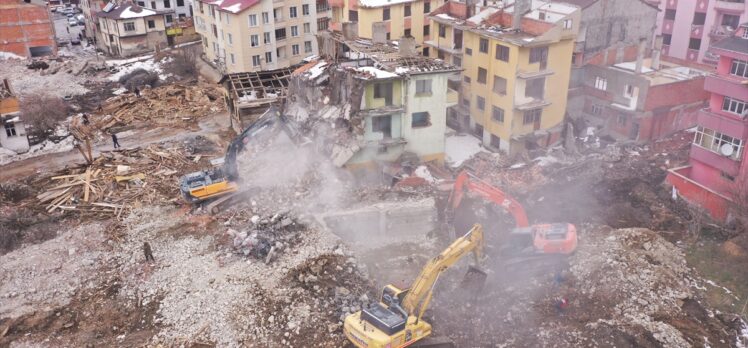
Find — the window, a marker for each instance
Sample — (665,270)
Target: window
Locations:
(420,119)
(256,60)
(739,67)
(442,30)
(621,119)
(307,28)
(425,51)
(478,131)
(387,36)
(230,39)
(386,14)
(278,14)
(457,61)
(266,37)
(323,23)
(280,52)
(532,116)
(169,18)
(666,39)
(483,45)
(407,10)
(215,30)
(294,30)
(233,61)
(295,50)
(466,79)
(497,114)
(699,18)
(10,129)
(151,24)
(265,18)
(480,103)
(382,90)
(212,11)
(628,91)
(601,83)
(254,40)
(292,12)
(495,142)
(745,33)
(407,33)
(280,34)
(670,14)
(502,53)
(734,106)
(426,30)
(694,44)
(715,141)
(482,73)
(268,57)
(353,16)
(305,10)
(307,46)
(130,26)
(535,88)
(440,54)
(252,20)
(596,109)
(180,3)
(426,6)
(382,124)
(167,4)
(469,51)
(202,10)
(568,24)
(538,54)
(499,85)
(731,21)
(153,6)
(423,87)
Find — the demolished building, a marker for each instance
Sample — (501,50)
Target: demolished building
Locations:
(13,136)
(372,101)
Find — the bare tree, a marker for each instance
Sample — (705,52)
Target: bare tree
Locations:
(43,113)
(184,62)
(740,198)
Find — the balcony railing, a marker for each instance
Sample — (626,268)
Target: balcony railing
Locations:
(721,31)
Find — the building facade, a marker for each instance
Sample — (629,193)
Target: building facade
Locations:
(716,177)
(182,8)
(128,29)
(26,29)
(397,18)
(91,22)
(516,68)
(13,135)
(248,35)
(690,27)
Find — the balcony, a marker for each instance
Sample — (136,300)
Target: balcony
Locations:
(450,48)
(730,125)
(697,31)
(523,103)
(730,5)
(710,58)
(534,74)
(728,85)
(720,32)
(453,97)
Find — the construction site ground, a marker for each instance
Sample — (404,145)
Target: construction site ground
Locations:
(284,266)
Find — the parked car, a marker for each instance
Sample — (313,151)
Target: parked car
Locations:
(75,41)
(72,22)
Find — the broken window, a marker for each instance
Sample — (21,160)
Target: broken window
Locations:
(442,30)
(423,86)
(483,45)
(10,129)
(420,119)
(497,114)
(699,18)
(407,10)
(480,102)
(129,26)
(670,14)
(538,54)
(532,116)
(502,53)
(386,14)
(535,88)
(482,73)
(739,67)
(601,83)
(694,44)
(382,124)
(352,16)
(499,85)
(383,90)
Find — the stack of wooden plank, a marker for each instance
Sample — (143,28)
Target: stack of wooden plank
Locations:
(79,192)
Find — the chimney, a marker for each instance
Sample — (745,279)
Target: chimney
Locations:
(520,8)
(350,31)
(379,32)
(407,46)
(640,56)
(656,53)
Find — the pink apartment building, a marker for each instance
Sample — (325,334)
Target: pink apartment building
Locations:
(716,177)
(689,28)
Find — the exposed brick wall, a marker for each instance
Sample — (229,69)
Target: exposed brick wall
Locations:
(677,93)
(23,26)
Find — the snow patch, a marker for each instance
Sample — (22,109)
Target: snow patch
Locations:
(148,65)
(45,148)
(379,74)
(9,55)
(129,13)
(235,8)
(460,148)
(423,172)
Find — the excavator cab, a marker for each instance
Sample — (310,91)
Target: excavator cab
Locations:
(558,238)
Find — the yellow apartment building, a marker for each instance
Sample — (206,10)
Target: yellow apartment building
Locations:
(128,29)
(255,35)
(398,17)
(516,68)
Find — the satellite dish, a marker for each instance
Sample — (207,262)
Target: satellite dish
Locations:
(726,149)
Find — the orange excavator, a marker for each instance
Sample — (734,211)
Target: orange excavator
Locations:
(556,238)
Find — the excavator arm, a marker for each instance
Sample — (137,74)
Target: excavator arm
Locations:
(468,182)
(419,295)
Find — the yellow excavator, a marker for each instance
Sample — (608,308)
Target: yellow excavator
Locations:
(396,320)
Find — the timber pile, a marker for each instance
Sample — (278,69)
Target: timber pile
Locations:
(168,104)
(118,181)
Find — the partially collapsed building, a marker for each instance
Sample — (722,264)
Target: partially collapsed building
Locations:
(372,101)
(13,136)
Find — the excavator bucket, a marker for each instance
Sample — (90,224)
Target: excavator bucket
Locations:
(473,281)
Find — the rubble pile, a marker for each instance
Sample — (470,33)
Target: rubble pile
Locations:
(169,104)
(29,82)
(265,238)
(117,181)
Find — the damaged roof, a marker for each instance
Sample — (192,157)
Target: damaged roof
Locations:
(129,10)
(258,86)
(733,44)
(232,6)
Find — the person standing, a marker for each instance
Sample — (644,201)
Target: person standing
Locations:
(148,252)
(114,141)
